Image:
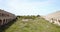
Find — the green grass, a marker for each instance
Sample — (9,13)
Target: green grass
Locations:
(36,25)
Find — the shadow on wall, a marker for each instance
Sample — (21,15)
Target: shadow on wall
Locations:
(6,26)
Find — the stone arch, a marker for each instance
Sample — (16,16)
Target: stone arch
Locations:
(4,21)
(0,21)
(7,20)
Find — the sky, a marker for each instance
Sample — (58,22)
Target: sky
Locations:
(30,7)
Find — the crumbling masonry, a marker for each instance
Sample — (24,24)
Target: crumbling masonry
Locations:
(6,17)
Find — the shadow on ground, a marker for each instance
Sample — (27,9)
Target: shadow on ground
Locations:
(6,26)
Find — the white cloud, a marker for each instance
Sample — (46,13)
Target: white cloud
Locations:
(26,7)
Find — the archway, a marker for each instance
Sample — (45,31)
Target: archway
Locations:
(0,22)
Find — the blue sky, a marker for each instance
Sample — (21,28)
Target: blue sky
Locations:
(30,7)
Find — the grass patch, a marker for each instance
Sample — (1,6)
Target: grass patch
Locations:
(36,25)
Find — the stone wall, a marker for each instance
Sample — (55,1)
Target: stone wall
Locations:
(6,17)
(55,21)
